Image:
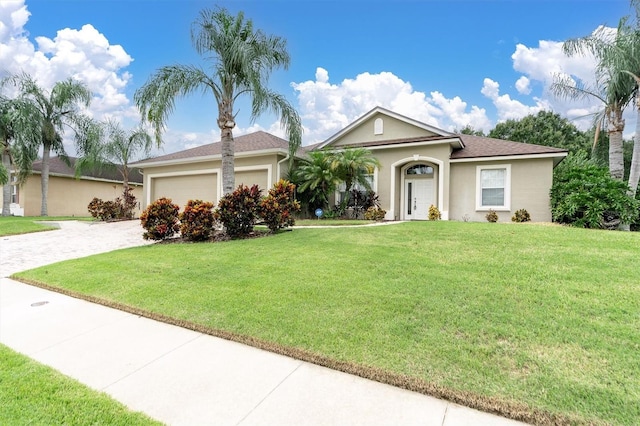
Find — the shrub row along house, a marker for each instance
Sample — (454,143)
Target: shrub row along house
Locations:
(464,176)
(68,195)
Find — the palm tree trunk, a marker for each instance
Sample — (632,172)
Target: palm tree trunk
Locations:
(6,188)
(616,159)
(634,173)
(228,169)
(44,178)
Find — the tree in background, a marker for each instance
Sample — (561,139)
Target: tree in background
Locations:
(545,128)
(469,130)
(56,110)
(242,60)
(114,148)
(18,126)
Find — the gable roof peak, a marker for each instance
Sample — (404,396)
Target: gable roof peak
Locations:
(388,113)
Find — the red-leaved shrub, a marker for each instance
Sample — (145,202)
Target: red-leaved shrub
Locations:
(238,211)
(196,221)
(278,208)
(160,219)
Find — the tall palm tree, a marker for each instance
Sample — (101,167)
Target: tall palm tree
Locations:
(115,149)
(57,110)
(614,97)
(241,60)
(18,127)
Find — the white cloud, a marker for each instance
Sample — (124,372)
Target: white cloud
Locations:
(83,54)
(508,108)
(327,108)
(522,85)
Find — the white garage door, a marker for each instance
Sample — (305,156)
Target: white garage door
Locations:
(184,188)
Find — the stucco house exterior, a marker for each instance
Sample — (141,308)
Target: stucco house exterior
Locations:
(421,165)
(68,195)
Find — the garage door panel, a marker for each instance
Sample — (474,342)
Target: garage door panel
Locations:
(253,177)
(184,188)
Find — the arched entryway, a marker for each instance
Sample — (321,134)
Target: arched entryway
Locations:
(419,190)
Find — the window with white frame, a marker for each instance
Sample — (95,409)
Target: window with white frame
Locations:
(342,188)
(493,187)
(14,190)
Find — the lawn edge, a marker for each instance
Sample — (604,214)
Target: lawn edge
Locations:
(502,407)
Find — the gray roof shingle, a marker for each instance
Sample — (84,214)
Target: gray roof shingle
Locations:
(59,167)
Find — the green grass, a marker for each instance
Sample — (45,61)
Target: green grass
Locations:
(33,394)
(332,222)
(14,225)
(545,316)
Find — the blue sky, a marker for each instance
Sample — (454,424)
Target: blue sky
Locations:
(447,63)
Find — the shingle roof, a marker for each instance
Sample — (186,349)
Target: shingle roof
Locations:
(58,167)
(478,147)
(258,141)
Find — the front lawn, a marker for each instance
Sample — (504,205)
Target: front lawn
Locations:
(32,394)
(540,323)
(14,225)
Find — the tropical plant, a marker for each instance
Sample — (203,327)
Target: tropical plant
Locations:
(242,59)
(114,148)
(238,211)
(315,178)
(521,215)
(491,216)
(375,213)
(160,219)
(19,125)
(352,166)
(278,208)
(434,213)
(585,195)
(57,110)
(615,53)
(197,221)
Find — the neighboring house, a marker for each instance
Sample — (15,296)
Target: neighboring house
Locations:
(421,165)
(68,195)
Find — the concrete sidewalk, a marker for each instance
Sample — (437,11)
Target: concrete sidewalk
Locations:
(182,377)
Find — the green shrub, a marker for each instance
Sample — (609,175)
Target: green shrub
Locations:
(520,216)
(585,195)
(492,216)
(196,221)
(160,219)
(277,209)
(434,213)
(375,213)
(238,211)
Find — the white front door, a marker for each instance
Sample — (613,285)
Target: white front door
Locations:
(418,194)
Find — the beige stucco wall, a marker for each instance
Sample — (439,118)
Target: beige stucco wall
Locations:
(531,182)
(389,176)
(201,179)
(392,129)
(68,196)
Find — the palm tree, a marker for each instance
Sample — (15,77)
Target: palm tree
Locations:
(241,61)
(57,109)
(352,166)
(115,149)
(316,177)
(614,97)
(18,126)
